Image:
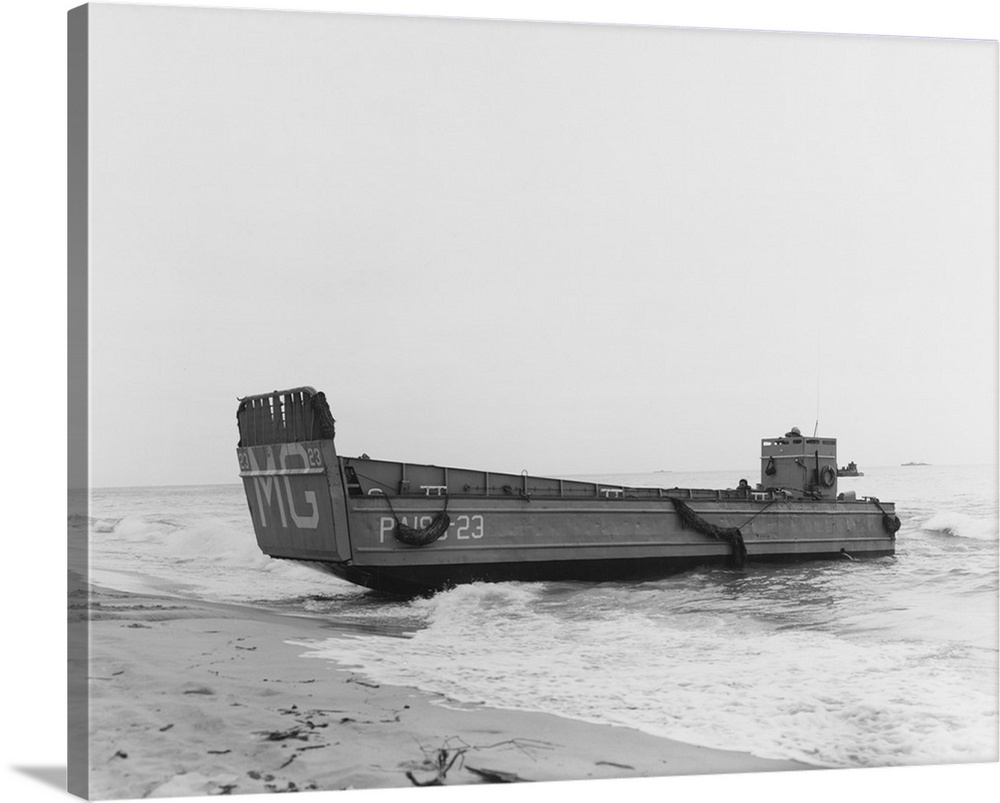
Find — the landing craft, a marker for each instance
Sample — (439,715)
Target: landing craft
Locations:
(850,470)
(407,529)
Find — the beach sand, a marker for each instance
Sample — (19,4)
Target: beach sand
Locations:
(191,698)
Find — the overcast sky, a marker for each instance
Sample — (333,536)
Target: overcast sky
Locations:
(561,248)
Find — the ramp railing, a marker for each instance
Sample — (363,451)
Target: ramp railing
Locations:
(284,416)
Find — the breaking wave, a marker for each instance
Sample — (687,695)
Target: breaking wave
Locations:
(962,525)
(200,553)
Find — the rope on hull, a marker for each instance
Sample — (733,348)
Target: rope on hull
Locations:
(732,535)
(411,536)
(890,524)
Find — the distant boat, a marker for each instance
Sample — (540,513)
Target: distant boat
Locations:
(914,464)
(850,470)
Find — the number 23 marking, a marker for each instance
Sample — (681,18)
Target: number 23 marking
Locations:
(469,527)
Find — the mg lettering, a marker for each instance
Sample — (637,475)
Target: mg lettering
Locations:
(311,521)
(272,482)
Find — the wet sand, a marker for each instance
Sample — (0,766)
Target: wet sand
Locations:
(191,698)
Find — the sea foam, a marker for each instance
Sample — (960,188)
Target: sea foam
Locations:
(963,525)
(802,694)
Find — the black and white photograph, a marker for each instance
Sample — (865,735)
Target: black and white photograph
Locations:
(467,396)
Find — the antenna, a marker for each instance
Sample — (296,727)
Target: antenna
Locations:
(816,428)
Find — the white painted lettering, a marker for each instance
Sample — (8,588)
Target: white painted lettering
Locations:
(268,486)
(310,522)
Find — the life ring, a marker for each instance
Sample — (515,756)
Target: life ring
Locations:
(770,470)
(827,476)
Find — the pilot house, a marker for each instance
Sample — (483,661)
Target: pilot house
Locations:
(802,466)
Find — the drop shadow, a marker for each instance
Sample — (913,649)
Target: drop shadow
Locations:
(54,776)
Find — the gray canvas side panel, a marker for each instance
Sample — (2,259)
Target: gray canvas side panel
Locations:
(78,652)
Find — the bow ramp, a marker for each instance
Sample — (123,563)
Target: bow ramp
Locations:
(292,477)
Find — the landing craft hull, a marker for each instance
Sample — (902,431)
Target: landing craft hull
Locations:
(309,504)
(411,581)
(599,540)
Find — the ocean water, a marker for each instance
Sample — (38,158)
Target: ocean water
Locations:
(890,661)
